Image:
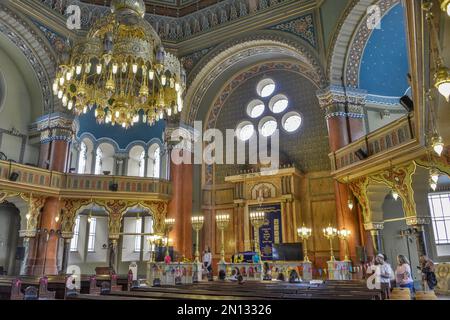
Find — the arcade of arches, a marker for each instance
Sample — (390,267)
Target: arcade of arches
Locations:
(352,110)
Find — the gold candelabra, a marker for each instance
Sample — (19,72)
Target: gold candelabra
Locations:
(257,219)
(344,234)
(330,233)
(168,223)
(304,233)
(222,221)
(152,240)
(197,225)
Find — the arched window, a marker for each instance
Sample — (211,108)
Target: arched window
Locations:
(156,162)
(98,161)
(142,164)
(82,158)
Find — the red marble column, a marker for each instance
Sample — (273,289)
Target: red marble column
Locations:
(340,136)
(180,208)
(54,153)
(47,241)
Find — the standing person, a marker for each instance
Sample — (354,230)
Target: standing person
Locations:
(403,276)
(428,275)
(207,261)
(392,280)
(385,275)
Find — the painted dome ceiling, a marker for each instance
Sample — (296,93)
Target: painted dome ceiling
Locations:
(384,65)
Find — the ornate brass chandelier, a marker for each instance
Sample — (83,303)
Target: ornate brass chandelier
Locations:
(121,70)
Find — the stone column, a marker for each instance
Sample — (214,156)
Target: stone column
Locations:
(57,132)
(419,224)
(345,121)
(116,209)
(180,206)
(375,233)
(65,256)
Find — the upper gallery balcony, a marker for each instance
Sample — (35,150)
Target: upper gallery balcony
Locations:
(23,178)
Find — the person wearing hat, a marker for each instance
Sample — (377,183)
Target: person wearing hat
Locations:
(385,275)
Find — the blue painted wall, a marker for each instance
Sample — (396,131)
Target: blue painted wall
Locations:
(385,65)
(123,137)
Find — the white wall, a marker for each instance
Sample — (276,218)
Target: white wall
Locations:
(16,111)
(88,261)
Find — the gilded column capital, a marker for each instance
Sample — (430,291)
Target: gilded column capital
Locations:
(359,190)
(56,126)
(340,102)
(417,221)
(69,213)
(400,180)
(374,226)
(35,204)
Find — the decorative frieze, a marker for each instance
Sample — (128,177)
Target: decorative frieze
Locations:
(340,102)
(178,28)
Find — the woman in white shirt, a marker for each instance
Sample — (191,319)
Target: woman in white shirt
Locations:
(403,274)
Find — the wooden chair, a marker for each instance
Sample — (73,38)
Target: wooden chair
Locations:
(400,294)
(93,289)
(16,290)
(43,290)
(425,295)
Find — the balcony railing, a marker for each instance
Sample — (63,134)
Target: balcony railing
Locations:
(24,178)
(390,137)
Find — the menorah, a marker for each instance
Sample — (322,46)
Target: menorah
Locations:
(330,233)
(197,225)
(344,234)
(257,219)
(304,233)
(168,226)
(222,221)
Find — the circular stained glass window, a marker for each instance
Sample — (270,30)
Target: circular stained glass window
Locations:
(267,126)
(245,131)
(265,88)
(291,121)
(255,108)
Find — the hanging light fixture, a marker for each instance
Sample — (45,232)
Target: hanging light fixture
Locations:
(434,178)
(445,6)
(122,70)
(442,82)
(437,144)
(350,204)
(433,184)
(442,74)
(394,192)
(394,195)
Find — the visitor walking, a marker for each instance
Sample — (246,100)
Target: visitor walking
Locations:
(403,276)
(428,275)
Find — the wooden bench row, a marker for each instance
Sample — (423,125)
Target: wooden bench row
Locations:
(58,287)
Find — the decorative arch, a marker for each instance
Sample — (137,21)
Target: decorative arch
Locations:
(349,41)
(243,76)
(213,65)
(34,47)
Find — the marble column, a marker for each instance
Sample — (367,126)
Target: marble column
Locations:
(345,122)
(419,224)
(65,256)
(56,134)
(376,236)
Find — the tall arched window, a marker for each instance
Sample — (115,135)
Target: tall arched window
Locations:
(156,162)
(98,161)
(142,164)
(82,158)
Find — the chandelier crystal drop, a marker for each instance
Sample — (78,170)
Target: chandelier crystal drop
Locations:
(121,70)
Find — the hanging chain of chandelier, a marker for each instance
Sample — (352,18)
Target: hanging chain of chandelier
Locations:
(121,70)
